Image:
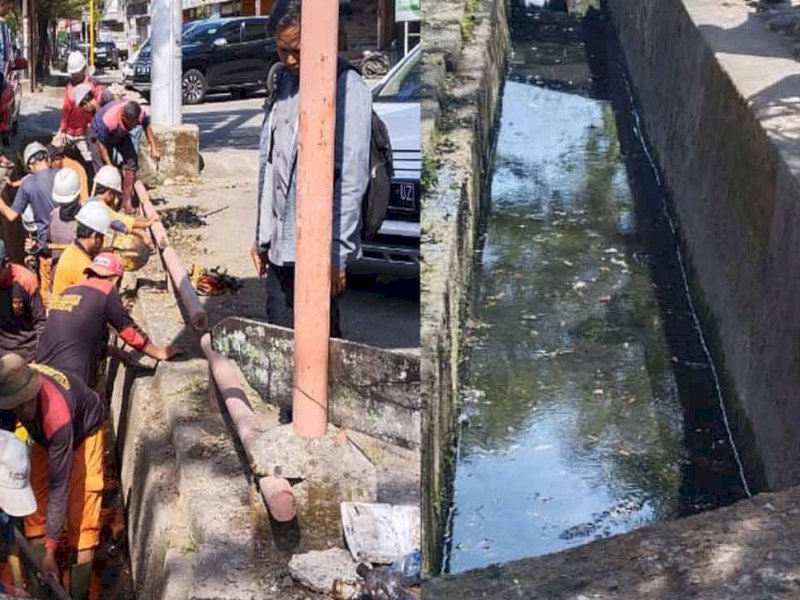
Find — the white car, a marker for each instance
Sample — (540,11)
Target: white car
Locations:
(397,100)
(128,66)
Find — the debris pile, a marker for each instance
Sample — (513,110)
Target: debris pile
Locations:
(182,216)
(213,282)
(383,562)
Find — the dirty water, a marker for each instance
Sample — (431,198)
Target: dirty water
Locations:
(590,405)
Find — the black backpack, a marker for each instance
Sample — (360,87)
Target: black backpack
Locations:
(381,170)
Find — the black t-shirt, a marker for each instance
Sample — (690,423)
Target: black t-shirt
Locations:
(73,336)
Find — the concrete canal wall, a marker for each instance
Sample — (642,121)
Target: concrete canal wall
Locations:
(465,44)
(194,527)
(718,97)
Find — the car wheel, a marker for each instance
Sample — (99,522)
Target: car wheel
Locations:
(194,87)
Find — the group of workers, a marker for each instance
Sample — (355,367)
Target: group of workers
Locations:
(54,328)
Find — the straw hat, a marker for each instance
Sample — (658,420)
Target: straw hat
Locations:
(18,382)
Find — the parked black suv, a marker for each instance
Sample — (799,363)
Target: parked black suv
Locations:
(106,55)
(232,54)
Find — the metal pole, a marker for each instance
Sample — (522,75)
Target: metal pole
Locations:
(166,74)
(91,33)
(405,38)
(29,554)
(27,42)
(314,217)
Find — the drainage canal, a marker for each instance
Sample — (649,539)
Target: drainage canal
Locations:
(591,406)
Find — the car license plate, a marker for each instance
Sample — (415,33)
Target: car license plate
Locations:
(404,195)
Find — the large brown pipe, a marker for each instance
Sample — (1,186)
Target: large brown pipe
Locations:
(318,43)
(198,318)
(276,491)
(157,228)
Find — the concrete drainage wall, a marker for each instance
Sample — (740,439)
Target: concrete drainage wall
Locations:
(148,476)
(712,85)
(465,44)
(193,524)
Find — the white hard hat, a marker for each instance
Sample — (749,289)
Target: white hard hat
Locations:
(81,92)
(109,177)
(76,62)
(66,186)
(95,216)
(31,150)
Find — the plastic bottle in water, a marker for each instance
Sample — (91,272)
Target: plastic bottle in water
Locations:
(409,568)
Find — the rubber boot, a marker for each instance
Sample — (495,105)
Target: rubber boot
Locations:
(79,579)
(128,180)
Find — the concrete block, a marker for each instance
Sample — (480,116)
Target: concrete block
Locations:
(318,570)
(180,155)
(372,390)
(325,472)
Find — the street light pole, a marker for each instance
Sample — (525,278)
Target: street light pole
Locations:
(91,33)
(318,43)
(166,70)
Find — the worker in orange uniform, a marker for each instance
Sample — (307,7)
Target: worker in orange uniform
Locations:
(94,223)
(65,419)
(73,338)
(108,189)
(16,500)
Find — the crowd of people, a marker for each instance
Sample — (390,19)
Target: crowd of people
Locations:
(75,198)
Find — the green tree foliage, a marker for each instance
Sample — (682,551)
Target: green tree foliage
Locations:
(65,9)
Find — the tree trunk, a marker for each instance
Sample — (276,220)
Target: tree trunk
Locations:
(43,51)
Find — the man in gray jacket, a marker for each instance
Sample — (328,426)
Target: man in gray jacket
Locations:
(274,248)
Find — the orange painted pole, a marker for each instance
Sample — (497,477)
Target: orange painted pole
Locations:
(318,43)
